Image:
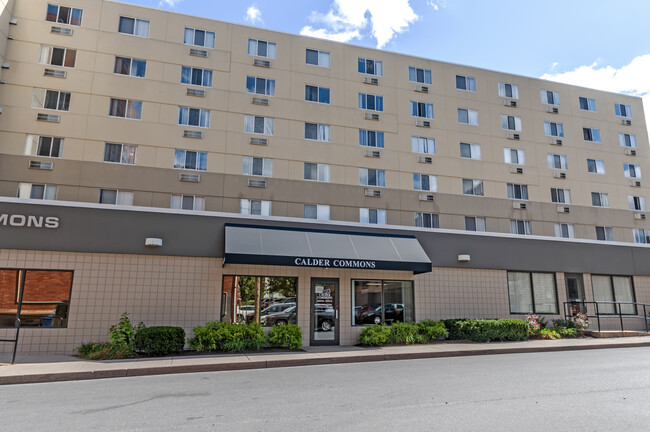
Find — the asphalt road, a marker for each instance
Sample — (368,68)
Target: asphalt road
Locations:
(596,390)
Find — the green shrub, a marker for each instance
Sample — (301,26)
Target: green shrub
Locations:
(122,335)
(158,341)
(564,323)
(486,330)
(223,336)
(406,333)
(285,336)
(431,330)
(374,335)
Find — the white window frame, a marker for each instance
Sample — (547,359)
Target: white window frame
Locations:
(598,164)
(177,202)
(559,129)
(180,155)
(248,166)
(364,137)
(626,112)
(268,87)
(472,116)
(125,150)
(246,207)
(507,156)
(608,233)
(322,132)
(470,83)
(474,151)
(505,123)
(254,43)
(560,196)
(593,133)
(39,97)
(423,145)
(525,225)
(131,68)
(380,176)
(641,235)
(413,75)
(204,74)
(318,94)
(603,198)
(249,125)
(591,103)
(129,104)
(517,191)
(124,198)
(322,172)
(185,113)
(544,95)
(377,66)
(514,90)
(58,10)
(477,187)
(623,141)
(418,182)
(49,191)
(365,213)
(322,211)
(636,203)
(428,109)
(34,144)
(206,38)
(321,56)
(363,102)
(636,170)
(136,23)
(550,159)
(562,228)
(47,51)
(422,217)
(479,223)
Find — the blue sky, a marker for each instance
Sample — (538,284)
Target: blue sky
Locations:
(602,44)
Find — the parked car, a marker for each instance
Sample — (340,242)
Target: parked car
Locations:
(243,312)
(393,312)
(287,316)
(325,317)
(288,300)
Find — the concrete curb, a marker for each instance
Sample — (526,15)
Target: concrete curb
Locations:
(322,360)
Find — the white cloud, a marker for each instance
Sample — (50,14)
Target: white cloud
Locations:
(631,79)
(437,4)
(170,3)
(254,15)
(347,18)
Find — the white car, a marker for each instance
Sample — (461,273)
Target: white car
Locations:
(243,312)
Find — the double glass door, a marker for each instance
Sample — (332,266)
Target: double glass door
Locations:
(324,312)
(575,293)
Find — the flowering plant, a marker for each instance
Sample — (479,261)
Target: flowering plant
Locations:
(534,325)
(581,320)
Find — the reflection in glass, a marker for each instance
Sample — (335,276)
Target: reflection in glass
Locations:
(267,300)
(376,302)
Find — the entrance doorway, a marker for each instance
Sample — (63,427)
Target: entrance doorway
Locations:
(575,293)
(324,322)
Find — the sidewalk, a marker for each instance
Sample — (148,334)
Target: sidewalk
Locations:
(38,369)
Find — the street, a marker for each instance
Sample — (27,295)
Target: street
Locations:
(594,390)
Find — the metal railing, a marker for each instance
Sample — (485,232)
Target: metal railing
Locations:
(15,341)
(608,310)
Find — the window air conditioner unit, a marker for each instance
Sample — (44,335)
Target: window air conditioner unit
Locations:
(512,136)
(261,63)
(421,88)
(626,122)
(258,141)
(639,216)
(372,193)
(519,205)
(370,116)
(516,170)
(260,101)
(61,30)
(257,183)
(194,178)
(48,117)
(41,165)
(562,209)
(635,183)
(198,52)
(13,21)
(423,123)
(630,152)
(192,134)
(425,159)
(373,153)
(552,110)
(509,103)
(557,142)
(195,92)
(6,65)
(559,175)
(368,80)
(54,73)
(426,197)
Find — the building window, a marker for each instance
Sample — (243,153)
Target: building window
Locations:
(53,56)
(465,83)
(114,196)
(125,108)
(372,177)
(517,191)
(514,156)
(196,76)
(614,289)
(532,293)
(604,233)
(632,171)
(318,94)
(636,203)
(599,199)
(129,66)
(50,99)
(254,166)
(255,207)
(553,129)
(423,145)
(419,75)
(45,297)
(371,102)
(468,116)
(187,202)
(550,97)
(627,140)
(595,166)
(261,48)
(316,211)
(474,223)
(368,138)
(421,109)
(370,67)
(198,37)
(425,182)
(119,153)
(587,104)
(318,58)
(556,161)
(261,86)
(63,15)
(512,123)
(134,26)
(46,146)
(564,230)
(508,90)
(372,216)
(470,151)
(591,134)
(623,110)
(377,302)
(191,160)
(258,125)
(521,227)
(267,300)
(318,132)
(426,220)
(37,191)
(560,196)
(193,117)
(473,187)
(317,172)
(642,236)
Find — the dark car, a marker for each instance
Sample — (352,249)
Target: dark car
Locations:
(325,316)
(274,308)
(287,316)
(393,312)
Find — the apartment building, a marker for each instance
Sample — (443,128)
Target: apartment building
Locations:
(377,186)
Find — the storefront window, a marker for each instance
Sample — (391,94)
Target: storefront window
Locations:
(377,301)
(42,296)
(614,289)
(266,300)
(532,293)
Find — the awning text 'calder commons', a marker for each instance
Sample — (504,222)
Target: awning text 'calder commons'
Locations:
(339,263)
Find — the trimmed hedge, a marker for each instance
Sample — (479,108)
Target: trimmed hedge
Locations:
(161,340)
(402,333)
(487,330)
(374,335)
(224,336)
(285,336)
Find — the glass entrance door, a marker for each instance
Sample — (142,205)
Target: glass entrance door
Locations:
(324,312)
(575,293)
